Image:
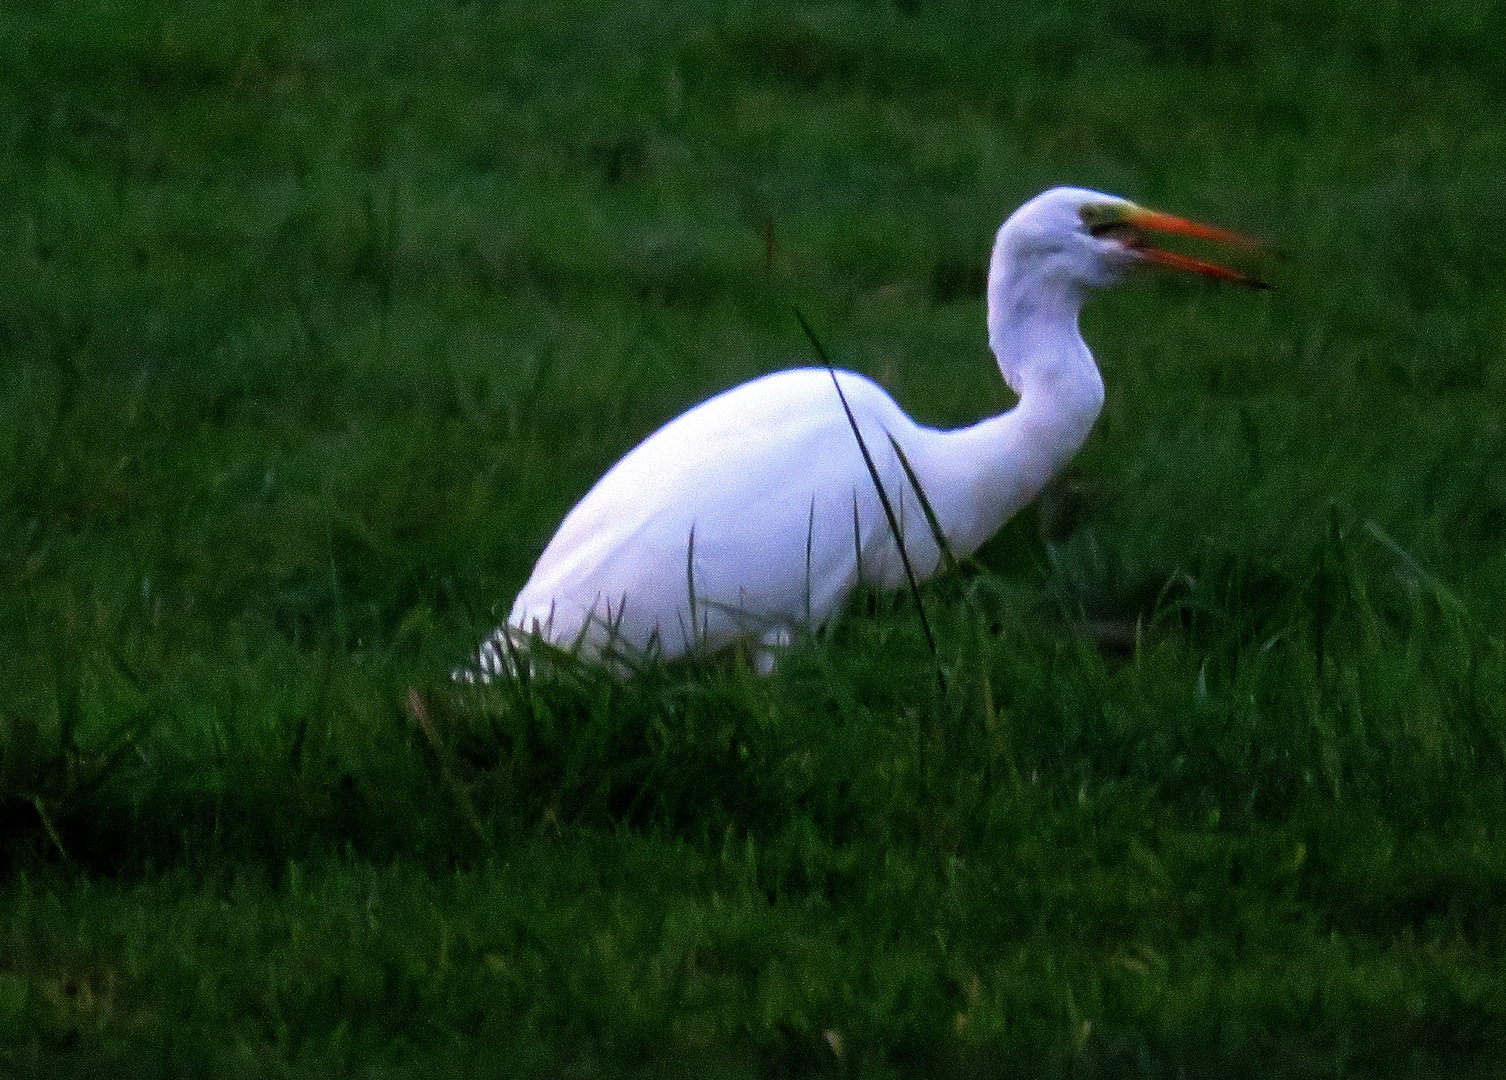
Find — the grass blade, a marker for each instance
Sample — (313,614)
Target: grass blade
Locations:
(883,496)
(942,543)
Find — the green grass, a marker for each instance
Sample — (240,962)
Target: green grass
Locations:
(314,320)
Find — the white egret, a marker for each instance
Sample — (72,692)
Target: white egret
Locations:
(754,513)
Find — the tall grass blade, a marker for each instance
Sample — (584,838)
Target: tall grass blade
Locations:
(52,832)
(690,588)
(942,543)
(1446,597)
(883,496)
(810,539)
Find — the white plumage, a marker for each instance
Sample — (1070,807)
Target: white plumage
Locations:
(753,514)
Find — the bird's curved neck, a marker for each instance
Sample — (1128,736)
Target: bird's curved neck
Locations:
(1032,321)
(997,466)
(1032,329)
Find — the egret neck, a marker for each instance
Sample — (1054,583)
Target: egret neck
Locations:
(996,466)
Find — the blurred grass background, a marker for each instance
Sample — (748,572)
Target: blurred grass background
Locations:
(316,318)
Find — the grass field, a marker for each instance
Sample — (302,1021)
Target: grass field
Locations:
(315,319)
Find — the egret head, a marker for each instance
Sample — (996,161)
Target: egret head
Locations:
(1085,239)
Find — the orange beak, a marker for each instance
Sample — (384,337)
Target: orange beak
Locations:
(1138,219)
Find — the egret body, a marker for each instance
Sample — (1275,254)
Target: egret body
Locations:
(754,514)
